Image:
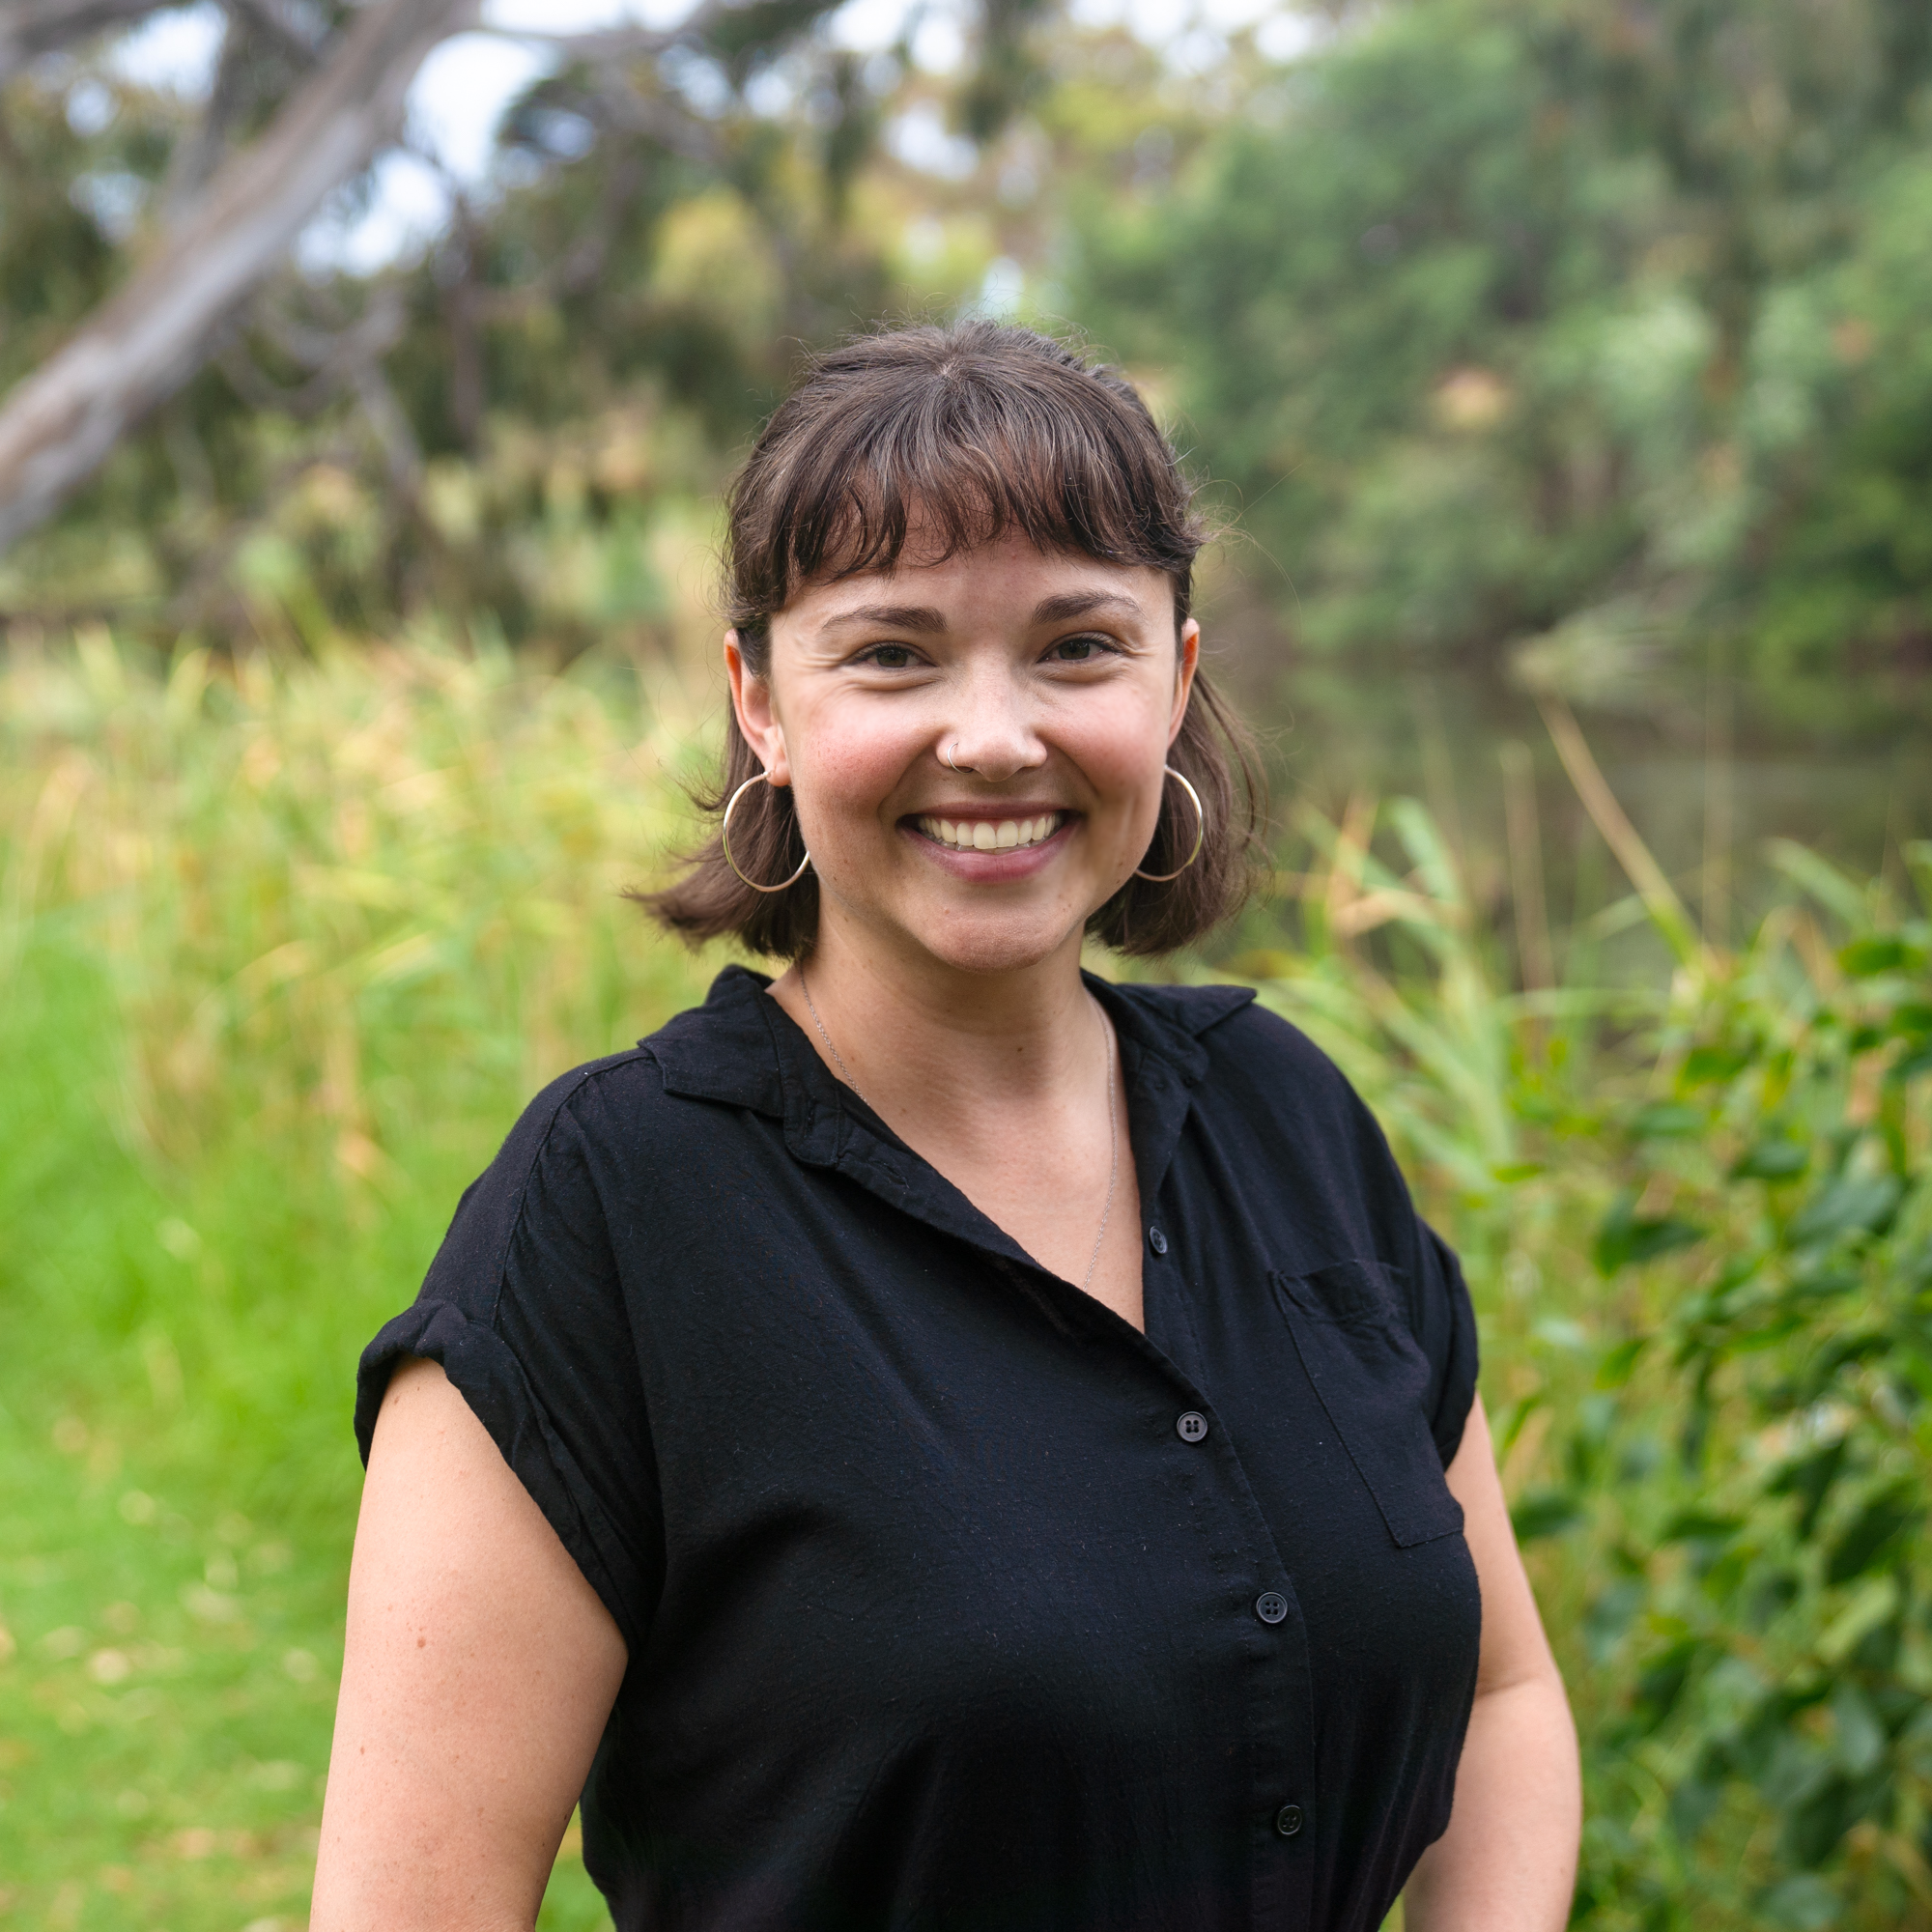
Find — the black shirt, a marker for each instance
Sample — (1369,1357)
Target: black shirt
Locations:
(952,1600)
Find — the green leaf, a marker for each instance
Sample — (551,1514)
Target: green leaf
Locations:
(1819,877)
(1809,1478)
(1855,1204)
(1510,1172)
(1765,1749)
(1651,1238)
(1662,1682)
(1615,1369)
(1771,1594)
(1775,1159)
(1821,1284)
(1815,1825)
(1860,1736)
(1692,1805)
(1874,1532)
(1841,1352)
(1878,953)
(1545,1513)
(1874,1605)
(1705,1064)
(1666,1120)
(1698,1526)
(1802,1904)
(1625,1239)
(1562,1331)
(1609,1616)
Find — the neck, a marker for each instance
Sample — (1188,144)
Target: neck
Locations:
(951,1037)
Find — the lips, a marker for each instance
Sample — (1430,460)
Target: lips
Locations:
(991,835)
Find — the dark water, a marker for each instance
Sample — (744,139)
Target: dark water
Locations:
(1710,773)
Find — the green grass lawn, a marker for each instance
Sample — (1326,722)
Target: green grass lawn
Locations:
(178,1484)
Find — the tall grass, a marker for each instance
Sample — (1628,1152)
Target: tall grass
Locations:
(283,949)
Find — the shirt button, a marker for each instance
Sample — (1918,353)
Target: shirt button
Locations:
(1270,1607)
(1288,1820)
(1157,1240)
(1192,1425)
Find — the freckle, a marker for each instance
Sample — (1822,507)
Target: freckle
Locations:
(420,1641)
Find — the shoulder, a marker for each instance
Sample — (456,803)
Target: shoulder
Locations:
(584,1102)
(1276,1100)
(546,1168)
(1274,1079)
(719,1051)
(1248,1055)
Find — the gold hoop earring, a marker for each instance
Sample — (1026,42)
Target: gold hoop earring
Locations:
(1200,833)
(724,837)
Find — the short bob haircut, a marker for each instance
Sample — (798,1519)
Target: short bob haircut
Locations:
(968,433)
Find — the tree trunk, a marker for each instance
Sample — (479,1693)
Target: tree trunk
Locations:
(145,342)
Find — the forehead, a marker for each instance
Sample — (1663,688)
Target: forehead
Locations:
(1008,576)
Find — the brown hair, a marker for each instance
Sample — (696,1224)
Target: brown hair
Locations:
(975,430)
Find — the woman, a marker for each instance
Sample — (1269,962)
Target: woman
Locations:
(936,1440)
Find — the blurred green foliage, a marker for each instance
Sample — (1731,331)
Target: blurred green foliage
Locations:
(1507,319)
(1495,321)
(520,426)
(281,955)
(1698,1224)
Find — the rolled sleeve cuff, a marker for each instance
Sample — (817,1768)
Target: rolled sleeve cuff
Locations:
(481,1366)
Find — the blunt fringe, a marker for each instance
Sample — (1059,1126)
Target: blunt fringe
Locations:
(969,433)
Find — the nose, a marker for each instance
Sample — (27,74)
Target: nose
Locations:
(990,733)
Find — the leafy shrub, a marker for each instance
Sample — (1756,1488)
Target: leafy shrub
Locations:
(1699,1230)
(1753,1461)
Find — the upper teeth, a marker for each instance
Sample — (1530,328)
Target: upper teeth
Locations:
(990,835)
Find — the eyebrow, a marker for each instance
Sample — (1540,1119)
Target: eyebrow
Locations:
(894,617)
(1080,603)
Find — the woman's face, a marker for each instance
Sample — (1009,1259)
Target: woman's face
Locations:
(1053,682)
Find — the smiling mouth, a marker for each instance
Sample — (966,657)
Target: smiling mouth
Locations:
(991,835)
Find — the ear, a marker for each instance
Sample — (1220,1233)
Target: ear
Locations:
(1189,657)
(756,715)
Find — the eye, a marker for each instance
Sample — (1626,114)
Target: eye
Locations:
(888,657)
(1077,650)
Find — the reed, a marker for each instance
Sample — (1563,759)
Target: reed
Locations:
(283,949)
(284,946)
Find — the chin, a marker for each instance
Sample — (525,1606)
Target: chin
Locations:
(993,945)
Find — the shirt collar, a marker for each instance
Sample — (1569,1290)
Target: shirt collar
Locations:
(744,1049)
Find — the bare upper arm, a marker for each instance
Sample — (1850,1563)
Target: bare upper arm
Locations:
(478,1672)
(1513,1645)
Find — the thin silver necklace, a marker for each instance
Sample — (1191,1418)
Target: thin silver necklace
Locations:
(1113,1117)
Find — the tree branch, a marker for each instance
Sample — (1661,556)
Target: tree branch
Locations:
(143,343)
(605,46)
(30,28)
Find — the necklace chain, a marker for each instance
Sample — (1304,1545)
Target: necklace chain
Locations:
(1113,1114)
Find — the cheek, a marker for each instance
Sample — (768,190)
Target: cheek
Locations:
(1121,748)
(852,768)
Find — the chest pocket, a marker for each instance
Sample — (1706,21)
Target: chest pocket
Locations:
(1372,1378)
